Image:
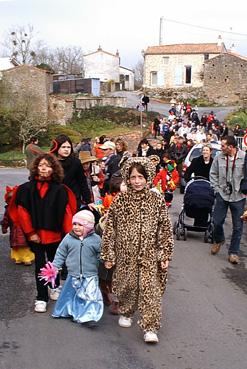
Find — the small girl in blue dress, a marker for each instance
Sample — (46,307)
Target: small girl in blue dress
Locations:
(80,297)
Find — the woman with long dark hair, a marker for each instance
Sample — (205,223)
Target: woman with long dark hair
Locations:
(74,177)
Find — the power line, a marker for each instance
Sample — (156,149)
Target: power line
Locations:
(207,28)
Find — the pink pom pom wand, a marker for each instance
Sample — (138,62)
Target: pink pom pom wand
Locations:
(48,274)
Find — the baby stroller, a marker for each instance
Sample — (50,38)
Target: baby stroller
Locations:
(198,204)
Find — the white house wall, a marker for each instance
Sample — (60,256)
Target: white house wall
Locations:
(129,85)
(172,74)
(102,65)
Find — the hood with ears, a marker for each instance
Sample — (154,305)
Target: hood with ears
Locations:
(148,165)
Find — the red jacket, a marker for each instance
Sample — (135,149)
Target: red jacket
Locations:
(166,183)
(21,216)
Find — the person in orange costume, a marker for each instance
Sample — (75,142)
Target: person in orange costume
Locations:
(168,178)
(44,208)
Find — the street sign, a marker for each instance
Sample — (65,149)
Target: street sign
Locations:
(140,107)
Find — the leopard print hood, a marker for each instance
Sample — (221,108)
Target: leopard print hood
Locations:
(148,163)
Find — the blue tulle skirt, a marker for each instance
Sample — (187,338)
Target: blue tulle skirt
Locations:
(80,299)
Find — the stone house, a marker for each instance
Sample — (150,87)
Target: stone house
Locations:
(179,65)
(106,66)
(29,83)
(225,78)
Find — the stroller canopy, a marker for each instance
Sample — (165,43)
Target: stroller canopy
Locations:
(199,195)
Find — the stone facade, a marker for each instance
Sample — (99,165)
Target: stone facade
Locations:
(82,103)
(61,109)
(225,78)
(29,82)
(177,66)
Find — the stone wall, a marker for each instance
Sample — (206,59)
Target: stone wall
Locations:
(225,79)
(82,103)
(29,83)
(61,109)
(181,94)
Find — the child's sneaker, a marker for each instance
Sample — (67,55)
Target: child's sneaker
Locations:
(125,322)
(151,337)
(54,293)
(40,306)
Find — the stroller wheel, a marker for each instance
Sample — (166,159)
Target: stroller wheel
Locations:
(206,237)
(178,234)
(185,234)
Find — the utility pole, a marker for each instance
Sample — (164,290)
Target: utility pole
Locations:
(161,41)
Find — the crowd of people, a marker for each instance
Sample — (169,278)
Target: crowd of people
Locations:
(98,214)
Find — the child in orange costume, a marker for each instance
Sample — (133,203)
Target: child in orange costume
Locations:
(20,251)
(168,178)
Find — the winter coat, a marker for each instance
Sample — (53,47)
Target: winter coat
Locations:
(81,256)
(199,168)
(137,234)
(75,179)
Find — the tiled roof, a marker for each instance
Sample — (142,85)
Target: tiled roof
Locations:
(229,52)
(186,49)
(28,66)
(237,55)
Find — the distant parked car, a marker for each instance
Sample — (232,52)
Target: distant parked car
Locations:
(194,152)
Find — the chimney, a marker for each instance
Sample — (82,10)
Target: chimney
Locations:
(161,41)
(219,42)
(99,48)
(118,55)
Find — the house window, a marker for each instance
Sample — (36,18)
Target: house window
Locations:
(127,77)
(165,59)
(206,56)
(188,74)
(154,78)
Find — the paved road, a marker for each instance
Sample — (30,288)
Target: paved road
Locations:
(133,99)
(205,324)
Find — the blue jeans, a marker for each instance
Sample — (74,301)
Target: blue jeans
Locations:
(219,216)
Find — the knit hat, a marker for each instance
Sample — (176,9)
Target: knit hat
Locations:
(84,217)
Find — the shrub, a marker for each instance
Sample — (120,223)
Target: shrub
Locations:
(238,117)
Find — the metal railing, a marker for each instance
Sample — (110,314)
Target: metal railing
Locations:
(240,142)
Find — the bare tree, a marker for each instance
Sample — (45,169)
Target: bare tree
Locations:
(138,69)
(66,60)
(29,123)
(23,113)
(69,60)
(19,44)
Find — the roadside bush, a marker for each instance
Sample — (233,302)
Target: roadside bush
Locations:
(55,130)
(8,130)
(238,117)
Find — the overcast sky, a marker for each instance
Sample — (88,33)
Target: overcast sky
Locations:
(128,25)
